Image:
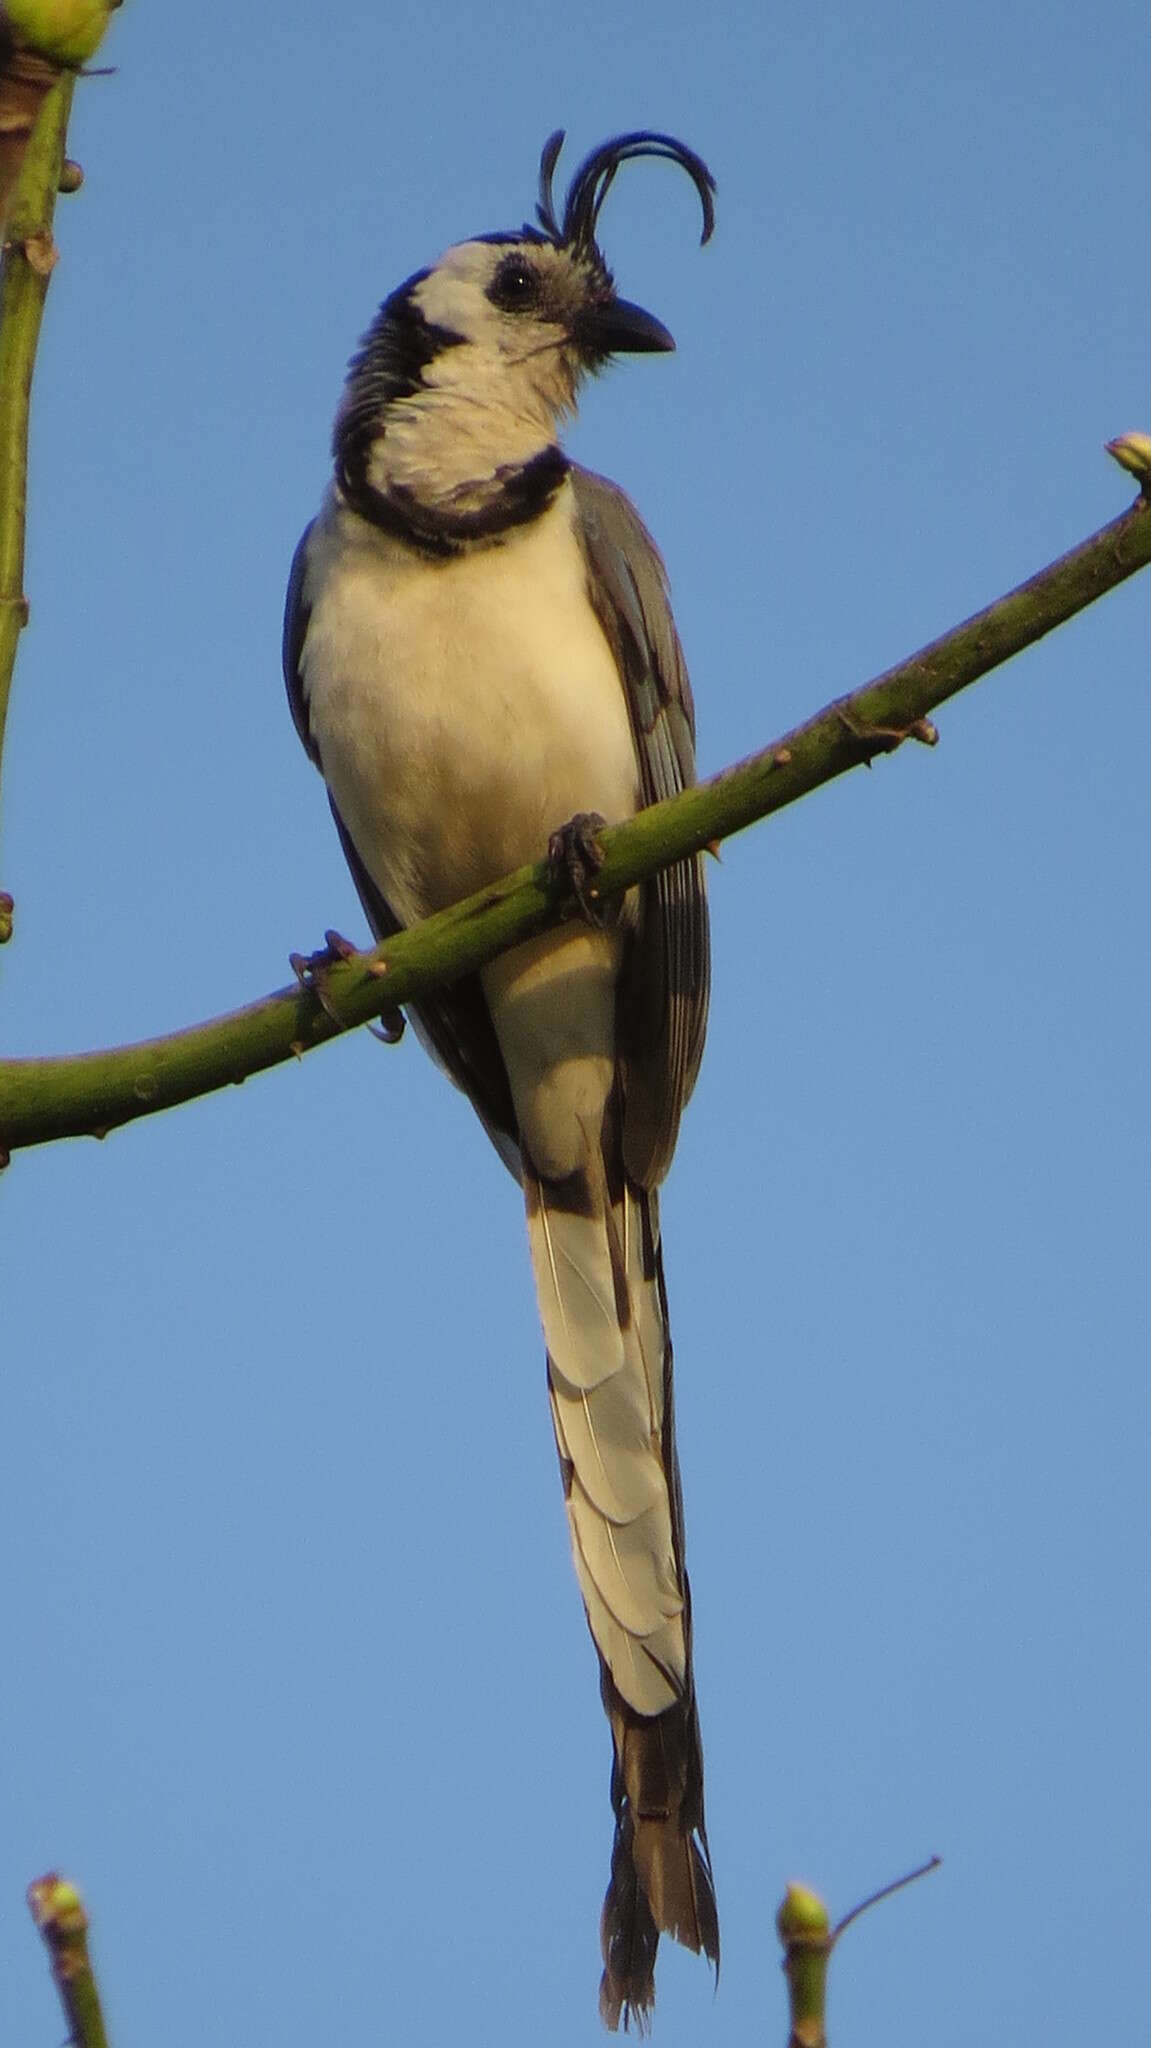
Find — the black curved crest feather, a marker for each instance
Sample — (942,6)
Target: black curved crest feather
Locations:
(591,183)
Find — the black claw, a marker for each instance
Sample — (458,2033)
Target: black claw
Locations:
(389,1027)
(308,968)
(576,856)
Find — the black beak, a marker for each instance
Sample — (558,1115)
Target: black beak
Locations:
(616,327)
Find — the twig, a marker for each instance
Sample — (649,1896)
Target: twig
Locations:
(885,1891)
(87,1094)
(29,255)
(60,1915)
(808,1938)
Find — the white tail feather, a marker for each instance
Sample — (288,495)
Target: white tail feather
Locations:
(623,1482)
(607,1405)
(647,1667)
(576,1293)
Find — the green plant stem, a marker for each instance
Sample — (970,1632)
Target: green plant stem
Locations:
(28,257)
(60,1915)
(804,1929)
(808,1938)
(90,1093)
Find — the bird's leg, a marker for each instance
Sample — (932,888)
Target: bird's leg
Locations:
(575,856)
(310,970)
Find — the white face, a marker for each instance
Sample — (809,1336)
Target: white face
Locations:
(518,347)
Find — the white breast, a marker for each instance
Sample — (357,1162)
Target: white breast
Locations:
(463,709)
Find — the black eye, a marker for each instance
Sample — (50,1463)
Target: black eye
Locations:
(515,287)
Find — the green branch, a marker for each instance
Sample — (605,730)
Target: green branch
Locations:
(59,1913)
(87,1094)
(29,255)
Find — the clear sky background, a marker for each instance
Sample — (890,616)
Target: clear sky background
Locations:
(296,1682)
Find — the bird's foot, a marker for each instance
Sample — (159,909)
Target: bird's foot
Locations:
(311,971)
(576,856)
(309,968)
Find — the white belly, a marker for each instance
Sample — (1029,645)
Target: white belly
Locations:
(463,709)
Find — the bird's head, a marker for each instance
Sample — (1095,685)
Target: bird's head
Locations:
(497,335)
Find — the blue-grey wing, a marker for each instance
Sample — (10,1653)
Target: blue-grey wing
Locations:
(663,1009)
(454,1024)
(295,631)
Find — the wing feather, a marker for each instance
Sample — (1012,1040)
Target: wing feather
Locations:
(663,1008)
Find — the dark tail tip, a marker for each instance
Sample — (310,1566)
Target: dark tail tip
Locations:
(673,1895)
(629,1938)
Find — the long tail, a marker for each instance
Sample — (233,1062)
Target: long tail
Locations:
(596,1253)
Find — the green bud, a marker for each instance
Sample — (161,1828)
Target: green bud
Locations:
(1133,453)
(64,31)
(57,1907)
(802,1913)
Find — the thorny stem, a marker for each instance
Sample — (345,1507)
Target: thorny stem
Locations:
(90,1093)
(29,254)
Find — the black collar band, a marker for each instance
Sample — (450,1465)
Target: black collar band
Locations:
(519,495)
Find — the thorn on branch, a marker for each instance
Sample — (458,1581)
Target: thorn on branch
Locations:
(71,175)
(40,254)
(7,907)
(870,740)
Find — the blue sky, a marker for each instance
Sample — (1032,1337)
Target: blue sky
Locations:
(297,1683)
